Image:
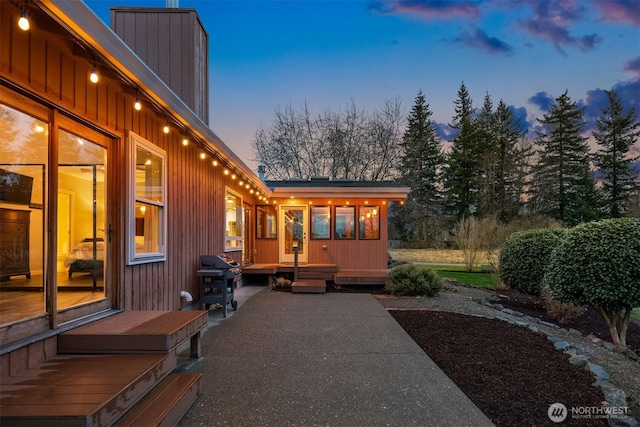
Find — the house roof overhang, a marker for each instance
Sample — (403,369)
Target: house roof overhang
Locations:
(77,18)
(338,189)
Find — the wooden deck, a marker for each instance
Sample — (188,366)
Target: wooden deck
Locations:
(136,332)
(79,390)
(360,277)
(120,373)
(328,272)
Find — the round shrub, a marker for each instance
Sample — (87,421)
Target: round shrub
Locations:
(524,257)
(413,280)
(598,264)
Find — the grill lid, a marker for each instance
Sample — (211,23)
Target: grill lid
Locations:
(221,261)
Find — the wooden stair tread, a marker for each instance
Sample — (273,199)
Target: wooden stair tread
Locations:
(309,286)
(134,331)
(166,404)
(48,394)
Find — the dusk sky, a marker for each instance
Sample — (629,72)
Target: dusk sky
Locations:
(267,54)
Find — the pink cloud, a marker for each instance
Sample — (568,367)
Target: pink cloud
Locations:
(619,10)
(551,21)
(428,9)
(633,66)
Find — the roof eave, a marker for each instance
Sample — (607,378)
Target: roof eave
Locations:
(389,193)
(81,21)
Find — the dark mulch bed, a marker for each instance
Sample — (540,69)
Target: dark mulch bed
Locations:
(510,373)
(588,323)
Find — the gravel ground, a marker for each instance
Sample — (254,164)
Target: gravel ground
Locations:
(624,372)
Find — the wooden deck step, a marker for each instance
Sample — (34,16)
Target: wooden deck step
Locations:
(309,286)
(166,404)
(80,390)
(360,277)
(136,332)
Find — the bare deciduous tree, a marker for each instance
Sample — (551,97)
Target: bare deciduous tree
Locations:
(350,144)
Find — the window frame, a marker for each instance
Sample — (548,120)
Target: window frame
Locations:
(361,227)
(335,219)
(313,220)
(240,238)
(263,211)
(134,258)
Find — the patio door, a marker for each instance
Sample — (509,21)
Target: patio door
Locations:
(293,230)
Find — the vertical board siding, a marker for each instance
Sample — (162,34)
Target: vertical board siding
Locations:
(45,65)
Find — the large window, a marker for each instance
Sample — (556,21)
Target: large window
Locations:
(345,223)
(234,221)
(369,221)
(146,210)
(52,239)
(320,222)
(266,222)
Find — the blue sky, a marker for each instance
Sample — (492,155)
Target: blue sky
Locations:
(266,54)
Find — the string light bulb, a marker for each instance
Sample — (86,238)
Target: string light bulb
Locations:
(23,22)
(94,75)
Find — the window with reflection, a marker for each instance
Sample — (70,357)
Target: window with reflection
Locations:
(23,183)
(81,210)
(146,213)
(266,222)
(234,221)
(345,222)
(320,222)
(369,222)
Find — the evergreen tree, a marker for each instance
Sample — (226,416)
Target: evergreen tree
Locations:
(618,132)
(463,162)
(562,186)
(420,167)
(512,166)
(487,152)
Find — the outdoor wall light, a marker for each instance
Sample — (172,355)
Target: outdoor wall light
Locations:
(185,141)
(202,155)
(137,105)
(165,129)
(214,163)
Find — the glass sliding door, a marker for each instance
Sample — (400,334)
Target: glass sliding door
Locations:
(23,182)
(54,218)
(81,175)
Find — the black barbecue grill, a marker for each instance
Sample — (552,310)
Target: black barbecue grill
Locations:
(219,275)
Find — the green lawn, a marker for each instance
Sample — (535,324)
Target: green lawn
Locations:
(480,280)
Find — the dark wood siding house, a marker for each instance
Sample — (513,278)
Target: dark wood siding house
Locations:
(112,185)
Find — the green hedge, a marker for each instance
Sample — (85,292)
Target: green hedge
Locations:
(598,264)
(524,257)
(413,280)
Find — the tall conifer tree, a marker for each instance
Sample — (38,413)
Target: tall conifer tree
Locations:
(617,133)
(562,186)
(420,167)
(463,162)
